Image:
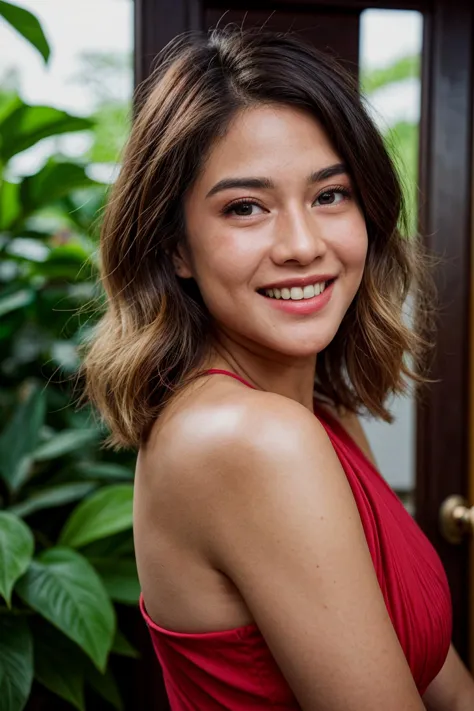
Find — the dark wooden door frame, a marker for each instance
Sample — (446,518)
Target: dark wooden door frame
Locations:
(446,184)
(158,21)
(445,218)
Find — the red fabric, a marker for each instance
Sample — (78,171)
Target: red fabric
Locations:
(234,669)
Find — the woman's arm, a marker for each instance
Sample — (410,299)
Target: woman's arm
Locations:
(452,689)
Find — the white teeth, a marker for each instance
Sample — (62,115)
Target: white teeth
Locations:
(296,293)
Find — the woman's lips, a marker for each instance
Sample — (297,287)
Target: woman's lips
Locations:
(302,306)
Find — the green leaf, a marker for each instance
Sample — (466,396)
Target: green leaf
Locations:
(26,125)
(50,183)
(120,579)
(20,437)
(122,646)
(68,262)
(27,25)
(403,68)
(16,663)
(103,470)
(10,203)
(52,496)
(107,511)
(119,545)
(105,686)
(65,442)
(65,589)
(402,143)
(17,546)
(59,664)
(18,300)
(9,100)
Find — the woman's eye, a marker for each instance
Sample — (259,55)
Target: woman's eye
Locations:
(242,209)
(332,197)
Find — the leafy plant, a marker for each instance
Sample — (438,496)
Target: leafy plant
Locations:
(66,548)
(402,138)
(27,25)
(400,70)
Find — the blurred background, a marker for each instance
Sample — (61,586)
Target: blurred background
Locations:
(70,635)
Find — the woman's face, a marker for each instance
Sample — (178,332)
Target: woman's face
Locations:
(262,212)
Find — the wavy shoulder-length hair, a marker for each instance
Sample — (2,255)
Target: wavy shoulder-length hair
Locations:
(156,330)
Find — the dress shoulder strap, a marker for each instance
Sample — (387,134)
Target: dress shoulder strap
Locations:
(219,371)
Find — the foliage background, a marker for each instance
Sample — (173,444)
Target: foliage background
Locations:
(67,565)
(67,570)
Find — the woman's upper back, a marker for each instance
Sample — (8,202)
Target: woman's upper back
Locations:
(266,523)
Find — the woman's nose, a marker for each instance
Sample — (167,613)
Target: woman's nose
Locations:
(299,239)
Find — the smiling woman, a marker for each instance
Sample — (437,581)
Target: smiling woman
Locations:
(287,225)
(253,232)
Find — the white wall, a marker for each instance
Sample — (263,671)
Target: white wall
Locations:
(394,444)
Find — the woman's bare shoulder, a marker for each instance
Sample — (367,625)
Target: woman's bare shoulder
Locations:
(224,419)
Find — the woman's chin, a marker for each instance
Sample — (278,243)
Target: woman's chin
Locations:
(304,342)
(301,348)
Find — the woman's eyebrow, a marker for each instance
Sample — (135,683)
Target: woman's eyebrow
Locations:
(267,184)
(329,172)
(251,183)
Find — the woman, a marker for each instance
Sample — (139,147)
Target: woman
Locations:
(255,278)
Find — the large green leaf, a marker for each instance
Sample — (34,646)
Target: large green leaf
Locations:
(52,496)
(17,546)
(120,579)
(65,442)
(65,589)
(50,183)
(108,511)
(27,25)
(122,646)
(16,662)
(20,437)
(26,125)
(59,664)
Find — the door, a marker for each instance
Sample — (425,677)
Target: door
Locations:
(442,455)
(443,417)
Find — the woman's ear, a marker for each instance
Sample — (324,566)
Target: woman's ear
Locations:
(182,263)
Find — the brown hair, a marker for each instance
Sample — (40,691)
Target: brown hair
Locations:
(156,330)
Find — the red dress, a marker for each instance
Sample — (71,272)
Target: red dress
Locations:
(234,669)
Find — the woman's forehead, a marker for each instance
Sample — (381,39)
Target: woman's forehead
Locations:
(269,141)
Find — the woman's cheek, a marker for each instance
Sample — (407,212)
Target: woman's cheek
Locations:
(352,251)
